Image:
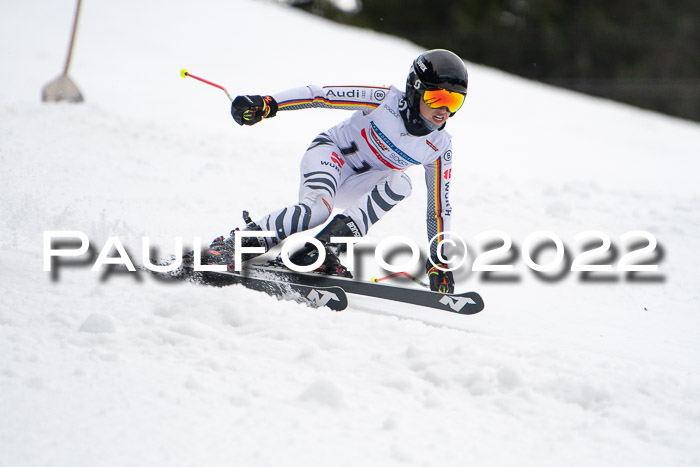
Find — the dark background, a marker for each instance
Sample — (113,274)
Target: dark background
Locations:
(642,52)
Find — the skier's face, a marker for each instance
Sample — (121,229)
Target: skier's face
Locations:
(437,116)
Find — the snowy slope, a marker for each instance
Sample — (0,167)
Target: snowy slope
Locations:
(120,369)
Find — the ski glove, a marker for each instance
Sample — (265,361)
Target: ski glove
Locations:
(249,110)
(441,281)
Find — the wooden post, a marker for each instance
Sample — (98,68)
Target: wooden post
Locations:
(62,88)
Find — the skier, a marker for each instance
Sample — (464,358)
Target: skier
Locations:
(359,164)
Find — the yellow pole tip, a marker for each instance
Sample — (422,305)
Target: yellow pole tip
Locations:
(373,279)
(183,72)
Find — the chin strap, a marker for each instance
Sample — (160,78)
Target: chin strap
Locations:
(415,126)
(415,123)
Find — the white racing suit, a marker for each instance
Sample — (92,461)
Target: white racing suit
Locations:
(359,164)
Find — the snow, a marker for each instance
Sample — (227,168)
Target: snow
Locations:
(114,368)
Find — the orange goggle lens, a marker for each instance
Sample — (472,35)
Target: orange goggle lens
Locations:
(438,97)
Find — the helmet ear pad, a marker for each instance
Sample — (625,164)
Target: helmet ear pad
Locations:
(412,93)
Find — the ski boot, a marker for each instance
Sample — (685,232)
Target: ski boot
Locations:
(221,250)
(340,226)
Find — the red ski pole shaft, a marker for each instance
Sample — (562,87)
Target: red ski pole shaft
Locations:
(184,73)
(414,279)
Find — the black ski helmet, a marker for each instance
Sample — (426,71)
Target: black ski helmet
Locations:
(434,68)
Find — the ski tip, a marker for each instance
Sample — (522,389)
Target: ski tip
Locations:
(184,72)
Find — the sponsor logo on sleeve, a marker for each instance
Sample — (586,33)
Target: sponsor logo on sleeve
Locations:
(349,94)
(448,208)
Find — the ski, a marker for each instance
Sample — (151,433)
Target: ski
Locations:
(311,295)
(466,303)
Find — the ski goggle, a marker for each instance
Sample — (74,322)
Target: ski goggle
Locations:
(438,97)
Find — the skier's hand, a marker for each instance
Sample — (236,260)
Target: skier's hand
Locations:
(440,280)
(249,110)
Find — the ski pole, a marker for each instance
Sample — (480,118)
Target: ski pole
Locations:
(184,73)
(414,279)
